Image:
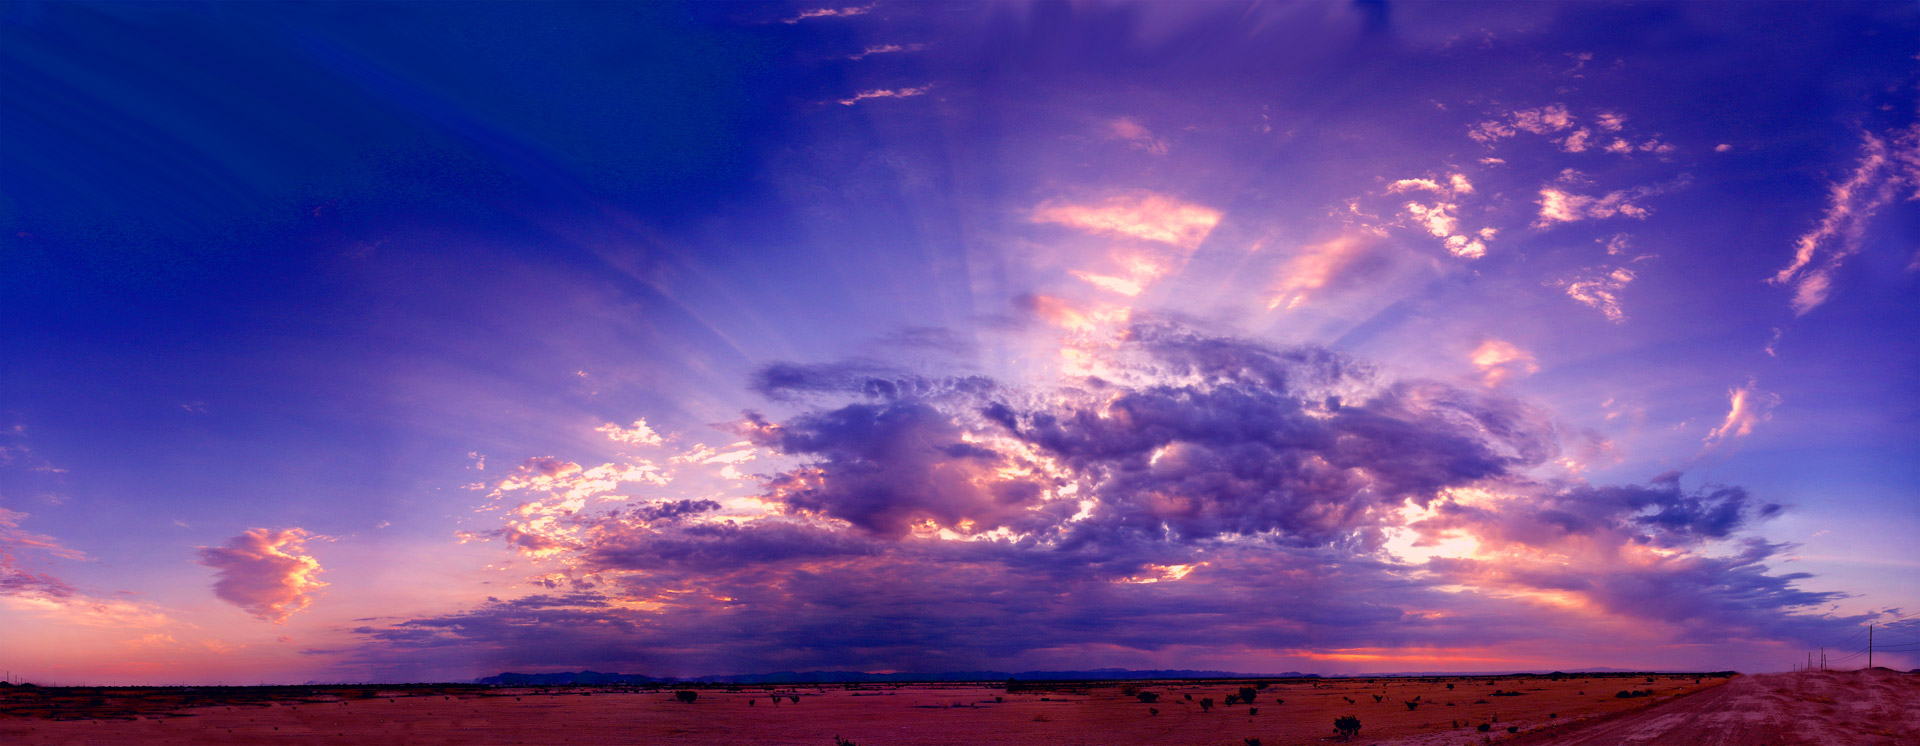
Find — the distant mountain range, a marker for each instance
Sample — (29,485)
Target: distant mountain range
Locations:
(858,677)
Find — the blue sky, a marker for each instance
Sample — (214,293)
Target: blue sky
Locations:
(342,340)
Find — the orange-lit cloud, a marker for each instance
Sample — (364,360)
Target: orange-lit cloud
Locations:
(638,434)
(1144,215)
(266,573)
(1312,269)
(1499,361)
(1439,214)
(1747,406)
(1600,290)
(1561,206)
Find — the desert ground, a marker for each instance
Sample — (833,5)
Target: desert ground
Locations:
(1857,708)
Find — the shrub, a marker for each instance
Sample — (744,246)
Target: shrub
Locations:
(1206,703)
(1449,687)
(1246,694)
(838,741)
(1128,690)
(1233,699)
(794,698)
(1279,701)
(1412,705)
(1253,711)
(1250,741)
(1153,711)
(1484,727)
(1513,729)
(1378,697)
(1147,697)
(1189,698)
(1347,726)
(686,695)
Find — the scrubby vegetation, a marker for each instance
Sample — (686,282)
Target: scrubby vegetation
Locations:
(1347,726)
(686,695)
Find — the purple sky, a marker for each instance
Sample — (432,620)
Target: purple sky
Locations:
(406,342)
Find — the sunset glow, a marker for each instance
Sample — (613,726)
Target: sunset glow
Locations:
(422,342)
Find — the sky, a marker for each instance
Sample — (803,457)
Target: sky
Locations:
(409,342)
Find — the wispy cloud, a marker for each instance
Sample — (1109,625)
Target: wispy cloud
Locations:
(1747,406)
(1876,179)
(267,573)
(1135,135)
(884,93)
(845,12)
(1142,215)
(874,49)
(1601,291)
(1561,206)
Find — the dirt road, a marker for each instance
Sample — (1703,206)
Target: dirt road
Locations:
(1862,708)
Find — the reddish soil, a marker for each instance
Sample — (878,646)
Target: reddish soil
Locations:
(1875,707)
(1576,707)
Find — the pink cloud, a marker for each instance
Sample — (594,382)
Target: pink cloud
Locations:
(266,573)
(1851,202)
(1146,216)
(1747,406)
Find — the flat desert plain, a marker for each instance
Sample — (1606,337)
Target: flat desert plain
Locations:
(1876,707)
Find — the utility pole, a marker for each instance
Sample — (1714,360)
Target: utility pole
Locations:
(1869,645)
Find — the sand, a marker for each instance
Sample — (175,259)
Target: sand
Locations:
(1573,710)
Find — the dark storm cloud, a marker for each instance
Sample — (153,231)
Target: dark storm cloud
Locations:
(1211,492)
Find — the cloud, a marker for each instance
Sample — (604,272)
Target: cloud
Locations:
(1439,215)
(1314,268)
(1135,135)
(1560,206)
(1600,290)
(874,49)
(1499,361)
(1876,179)
(1747,406)
(638,434)
(1141,215)
(265,572)
(1275,503)
(1540,121)
(884,93)
(16,545)
(846,12)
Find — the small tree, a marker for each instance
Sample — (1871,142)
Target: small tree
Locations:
(1148,697)
(1206,703)
(686,695)
(1233,699)
(1347,726)
(1246,694)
